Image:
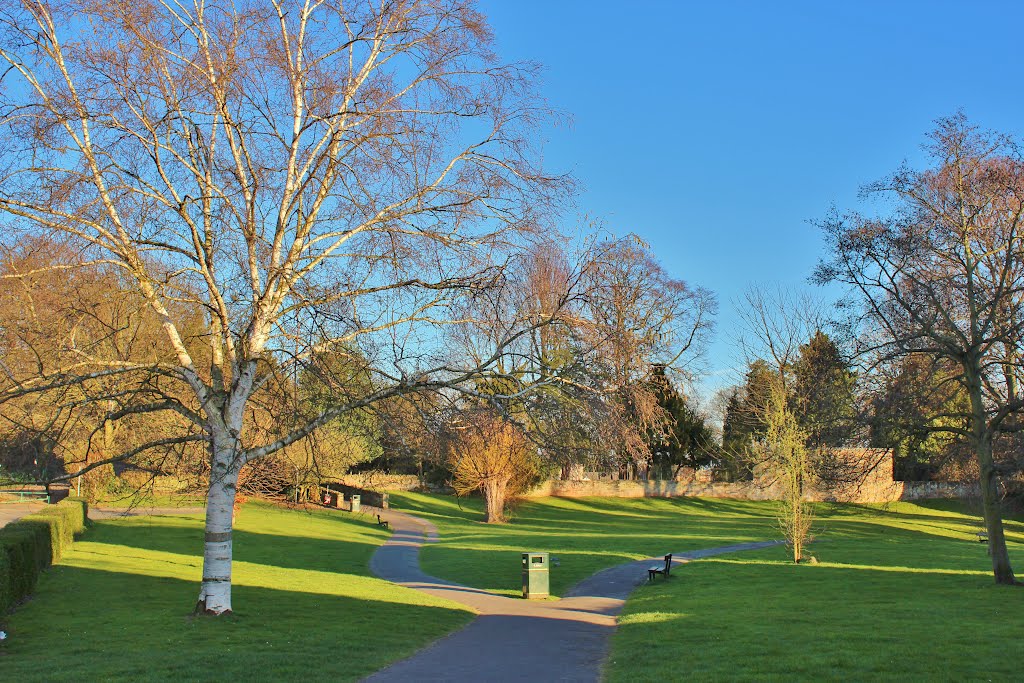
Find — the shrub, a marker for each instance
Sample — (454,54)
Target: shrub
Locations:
(6,594)
(34,543)
(26,545)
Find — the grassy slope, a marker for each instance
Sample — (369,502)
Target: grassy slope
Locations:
(901,593)
(117,606)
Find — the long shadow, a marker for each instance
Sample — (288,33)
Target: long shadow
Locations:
(108,625)
(583,541)
(290,552)
(673,506)
(966,513)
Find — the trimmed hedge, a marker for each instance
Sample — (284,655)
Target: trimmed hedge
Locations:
(33,543)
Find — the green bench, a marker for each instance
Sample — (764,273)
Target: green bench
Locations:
(22,495)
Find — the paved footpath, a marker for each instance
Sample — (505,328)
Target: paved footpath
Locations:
(11,512)
(514,639)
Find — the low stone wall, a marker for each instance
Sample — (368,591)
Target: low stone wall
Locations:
(376,481)
(867,492)
(876,487)
(919,490)
(868,470)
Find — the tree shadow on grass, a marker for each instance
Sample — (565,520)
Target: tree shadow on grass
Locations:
(348,553)
(286,552)
(125,626)
(820,622)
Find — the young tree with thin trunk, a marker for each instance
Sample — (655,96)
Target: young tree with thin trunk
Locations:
(308,174)
(942,277)
(780,325)
(785,452)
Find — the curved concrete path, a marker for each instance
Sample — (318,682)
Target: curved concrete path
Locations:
(514,639)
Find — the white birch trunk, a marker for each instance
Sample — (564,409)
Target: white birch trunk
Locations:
(215,592)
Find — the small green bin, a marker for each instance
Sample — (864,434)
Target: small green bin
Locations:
(357,502)
(535,576)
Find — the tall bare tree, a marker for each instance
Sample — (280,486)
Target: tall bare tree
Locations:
(308,173)
(583,386)
(942,277)
(639,320)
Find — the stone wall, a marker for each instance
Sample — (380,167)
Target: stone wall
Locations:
(873,484)
(376,481)
(898,490)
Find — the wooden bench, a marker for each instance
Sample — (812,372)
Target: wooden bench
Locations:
(666,571)
(383,522)
(22,494)
(983,537)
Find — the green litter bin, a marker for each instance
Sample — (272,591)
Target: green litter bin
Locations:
(535,575)
(357,502)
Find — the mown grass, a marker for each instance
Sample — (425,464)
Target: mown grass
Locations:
(117,607)
(585,534)
(902,592)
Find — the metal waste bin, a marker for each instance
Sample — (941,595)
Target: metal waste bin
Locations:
(357,502)
(535,575)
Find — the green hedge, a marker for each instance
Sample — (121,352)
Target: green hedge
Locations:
(35,542)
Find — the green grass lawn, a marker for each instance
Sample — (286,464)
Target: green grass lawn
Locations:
(901,593)
(117,607)
(585,534)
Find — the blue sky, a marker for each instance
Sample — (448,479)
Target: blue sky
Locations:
(717,130)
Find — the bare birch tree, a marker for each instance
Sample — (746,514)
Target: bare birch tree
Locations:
(309,173)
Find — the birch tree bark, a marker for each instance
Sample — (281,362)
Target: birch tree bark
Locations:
(309,174)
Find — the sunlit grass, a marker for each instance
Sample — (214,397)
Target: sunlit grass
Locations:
(117,608)
(585,534)
(901,592)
